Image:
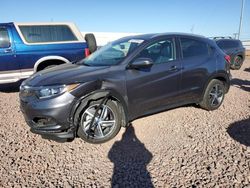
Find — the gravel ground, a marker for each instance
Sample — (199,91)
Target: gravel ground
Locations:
(183,147)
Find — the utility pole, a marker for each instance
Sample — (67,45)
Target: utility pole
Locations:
(235,35)
(241,16)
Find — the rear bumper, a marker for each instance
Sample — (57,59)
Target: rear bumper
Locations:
(50,118)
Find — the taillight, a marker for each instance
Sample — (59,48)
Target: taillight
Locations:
(87,52)
(227,58)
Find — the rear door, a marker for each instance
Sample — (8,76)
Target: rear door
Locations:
(9,68)
(197,64)
(156,87)
(7,55)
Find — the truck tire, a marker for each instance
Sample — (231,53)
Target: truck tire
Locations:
(91,42)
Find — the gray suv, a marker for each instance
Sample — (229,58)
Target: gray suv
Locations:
(124,80)
(234,49)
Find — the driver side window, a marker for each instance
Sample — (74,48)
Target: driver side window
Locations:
(160,52)
(4,38)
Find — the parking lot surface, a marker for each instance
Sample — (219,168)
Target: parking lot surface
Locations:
(186,146)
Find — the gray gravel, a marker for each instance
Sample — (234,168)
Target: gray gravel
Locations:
(183,147)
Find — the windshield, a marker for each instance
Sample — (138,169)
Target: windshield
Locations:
(112,53)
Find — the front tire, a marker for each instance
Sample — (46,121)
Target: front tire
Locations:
(213,96)
(106,124)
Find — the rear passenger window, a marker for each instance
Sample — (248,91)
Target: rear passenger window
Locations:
(227,44)
(47,33)
(4,38)
(192,48)
(222,44)
(235,44)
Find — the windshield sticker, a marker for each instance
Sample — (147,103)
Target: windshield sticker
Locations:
(138,41)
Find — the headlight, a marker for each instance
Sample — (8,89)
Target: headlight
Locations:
(49,91)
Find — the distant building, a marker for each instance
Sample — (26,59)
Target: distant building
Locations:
(246,44)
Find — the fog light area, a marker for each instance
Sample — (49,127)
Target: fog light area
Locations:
(44,121)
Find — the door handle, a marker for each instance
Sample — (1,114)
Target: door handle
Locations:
(173,68)
(9,50)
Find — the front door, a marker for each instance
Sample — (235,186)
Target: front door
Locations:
(9,68)
(156,87)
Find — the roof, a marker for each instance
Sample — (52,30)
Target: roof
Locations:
(38,23)
(226,39)
(153,35)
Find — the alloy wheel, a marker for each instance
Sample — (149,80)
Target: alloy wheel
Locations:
(103,124)
(216,95)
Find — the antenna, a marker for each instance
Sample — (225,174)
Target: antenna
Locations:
(192,28)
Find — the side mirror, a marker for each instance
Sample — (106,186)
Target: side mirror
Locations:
(141,63)
(122,46)
(5,44)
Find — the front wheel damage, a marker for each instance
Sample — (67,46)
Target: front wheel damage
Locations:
(99,120)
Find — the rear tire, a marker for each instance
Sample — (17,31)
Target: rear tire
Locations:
(106,125)
(237,63)
(91,42)
(213,96)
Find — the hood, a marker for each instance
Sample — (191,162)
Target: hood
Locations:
(66,74)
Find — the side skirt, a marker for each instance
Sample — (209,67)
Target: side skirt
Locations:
(14,76)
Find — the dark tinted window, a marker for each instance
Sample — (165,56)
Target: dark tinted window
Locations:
(4,38)
(192,48)
(225,44)
(47,33)
(160,52)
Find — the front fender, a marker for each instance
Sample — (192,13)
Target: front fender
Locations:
(94,91)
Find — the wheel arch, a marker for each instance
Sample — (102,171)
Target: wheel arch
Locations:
(95,95)
(49,58)
(219,76)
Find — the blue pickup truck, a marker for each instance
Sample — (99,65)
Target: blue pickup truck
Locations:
(26,48)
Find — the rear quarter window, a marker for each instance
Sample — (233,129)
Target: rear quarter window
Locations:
(221,44)
(47,33)
(226,44)
(193,48)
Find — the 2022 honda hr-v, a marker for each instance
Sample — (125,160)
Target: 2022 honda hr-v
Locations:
(129,78)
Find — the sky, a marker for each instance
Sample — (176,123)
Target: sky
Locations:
(205,17)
